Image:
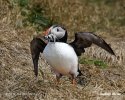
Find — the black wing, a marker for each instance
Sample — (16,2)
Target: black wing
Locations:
(85,39)
(37,45)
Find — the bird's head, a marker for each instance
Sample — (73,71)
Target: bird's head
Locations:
(56,33)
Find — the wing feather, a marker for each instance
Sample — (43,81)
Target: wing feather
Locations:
(37,46)
(86,39)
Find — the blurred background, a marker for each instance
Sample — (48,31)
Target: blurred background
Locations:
(105,17)
(21,20)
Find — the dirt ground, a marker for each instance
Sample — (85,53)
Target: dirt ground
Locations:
(17,80)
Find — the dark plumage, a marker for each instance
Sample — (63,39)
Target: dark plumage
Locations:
(37,46)
(85,39)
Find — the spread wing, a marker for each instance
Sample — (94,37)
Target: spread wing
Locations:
(86,39)
(37,45)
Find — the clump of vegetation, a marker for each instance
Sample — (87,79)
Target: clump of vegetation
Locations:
(33,15)
(96,62)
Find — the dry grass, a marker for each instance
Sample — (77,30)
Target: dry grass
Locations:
(85,15)
(17,81)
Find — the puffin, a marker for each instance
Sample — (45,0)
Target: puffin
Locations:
(61,55)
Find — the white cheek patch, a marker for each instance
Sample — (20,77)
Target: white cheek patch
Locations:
(59,34)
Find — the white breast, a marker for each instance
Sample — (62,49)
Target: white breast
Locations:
(61,57)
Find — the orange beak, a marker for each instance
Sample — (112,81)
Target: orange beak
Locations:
(46,32)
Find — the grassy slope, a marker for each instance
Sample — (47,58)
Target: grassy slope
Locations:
(16,75)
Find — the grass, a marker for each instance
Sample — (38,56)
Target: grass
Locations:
(102,73)
(90,15)
(95,62)
(32,14)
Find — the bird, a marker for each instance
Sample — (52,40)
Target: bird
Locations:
(61,55)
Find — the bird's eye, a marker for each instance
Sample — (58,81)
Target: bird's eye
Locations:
(57,30)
